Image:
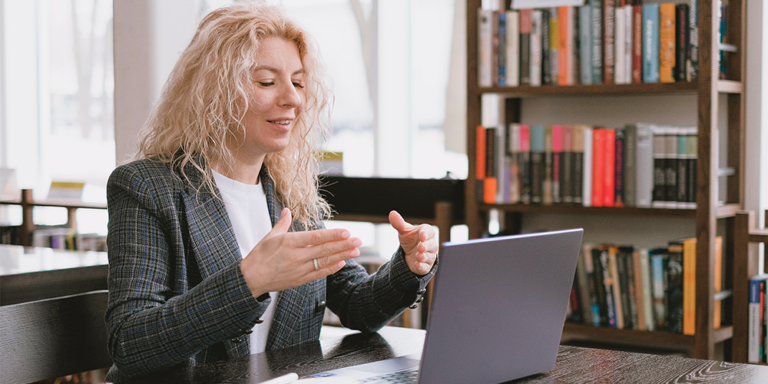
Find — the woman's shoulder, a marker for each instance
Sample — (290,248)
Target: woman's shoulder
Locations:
(145,173)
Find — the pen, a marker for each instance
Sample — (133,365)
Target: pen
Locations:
(289,378)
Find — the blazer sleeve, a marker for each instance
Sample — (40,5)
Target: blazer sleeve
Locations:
(154,320)
(368,302)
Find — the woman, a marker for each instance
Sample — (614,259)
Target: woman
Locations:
(215,231)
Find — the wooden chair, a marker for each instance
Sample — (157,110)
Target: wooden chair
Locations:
(52,338)
(746,237)
(439,202)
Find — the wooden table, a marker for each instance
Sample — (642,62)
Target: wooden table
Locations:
(574,364)
(33,273)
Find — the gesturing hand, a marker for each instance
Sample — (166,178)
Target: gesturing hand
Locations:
(418,242)
(283,260)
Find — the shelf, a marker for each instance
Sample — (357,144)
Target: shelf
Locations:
(581,210)
(729,86)
(64,203)
(658,338)
(597,89)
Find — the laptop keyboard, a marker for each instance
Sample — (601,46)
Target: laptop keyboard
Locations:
(407,376)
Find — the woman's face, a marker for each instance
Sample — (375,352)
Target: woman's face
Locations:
(276,99)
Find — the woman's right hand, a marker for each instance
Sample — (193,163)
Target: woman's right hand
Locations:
(283,260)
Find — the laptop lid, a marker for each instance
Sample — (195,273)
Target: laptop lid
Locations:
(498,307)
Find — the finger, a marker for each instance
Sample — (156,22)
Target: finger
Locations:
(335,247)
(284,223)
(318,237)
(398,223)
(328,270)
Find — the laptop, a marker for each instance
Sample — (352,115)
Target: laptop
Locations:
(497,312)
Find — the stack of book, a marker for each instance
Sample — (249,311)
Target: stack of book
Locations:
(66,238)
(638,165)
(758,320)
(602,42)
(641,289)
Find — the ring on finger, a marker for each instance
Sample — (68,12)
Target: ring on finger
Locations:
(316,266)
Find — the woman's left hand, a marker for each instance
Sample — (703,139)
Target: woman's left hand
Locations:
(418,241)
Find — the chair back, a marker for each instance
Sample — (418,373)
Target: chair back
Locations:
(54,337)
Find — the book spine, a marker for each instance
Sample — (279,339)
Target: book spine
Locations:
(501,167)
(659,176)
(566,166)
(513,48)
(631,291)
(490,183)
(575,57)
(564,20)
(548,167)
(629,162)
(619,168)
(494,47)
(610,167)
(651,43)
(585,44)
(692,146)
(578,164)
(692,66)
(689,286)
(501,55)
(755,326)
(609,30)
(524,162)
(619,45)
(670,169)
(681,41)
(674,288)
(637,44)
(485,47)
(644,166)
(554,46)
(480,158)
(597,41)
(682,172)
(536,46)
(514,168)
(628,39)
(645,271)
(666,42)
(557,163)
(598,167)
(600,286)
(619,272)
(638,290)
(610,304)
(537,164)
(657,269)
(525,47)
(588,157)
(583,289)
(547,26)
(589,269)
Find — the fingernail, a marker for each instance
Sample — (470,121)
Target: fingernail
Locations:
(357,243)
(345,234)
(354,253)
(341,264)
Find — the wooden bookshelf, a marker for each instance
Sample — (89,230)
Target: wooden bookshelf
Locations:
(709,212)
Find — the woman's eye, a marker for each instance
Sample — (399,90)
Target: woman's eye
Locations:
(298,85)
(266,83)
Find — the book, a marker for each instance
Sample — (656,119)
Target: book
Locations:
(610,167)
(565,51)
(674,287)
(628,164)
(600,286)
(609,30)
(535,47)
(501,48)
(667,42)
(548,29)
(554,46)
(638,290)
(756,298)
(501,168)
(586,189)
(692,153)
(480,158)
(620,65)
(681,186)
(484,47)
(692,65)
(490,183)
(645,271)
(689,286)
(628,40)
(682,31)
(651,43)
(629,266)
(566,176)
(585,275)
(616,286)
(573,31)
(537,163)
(670,168)
(644,165)
(514,161)
(525,46)
(610,304)
(637,44)
(548,167)
(524,164)
(597,41)
(658,271)
(557,163)
(585,44)
(598,166)
(619,165)
(513,48)
(578,163)
(659,171)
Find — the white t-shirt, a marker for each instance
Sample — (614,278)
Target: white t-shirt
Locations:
(246,205)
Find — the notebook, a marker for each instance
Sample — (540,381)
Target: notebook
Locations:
(497,312)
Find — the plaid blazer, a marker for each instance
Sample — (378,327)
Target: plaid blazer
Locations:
(177,296)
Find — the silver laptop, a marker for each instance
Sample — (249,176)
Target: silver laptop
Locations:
(497,313)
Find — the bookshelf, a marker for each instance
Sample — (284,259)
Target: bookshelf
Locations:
(28,203)
(709,214)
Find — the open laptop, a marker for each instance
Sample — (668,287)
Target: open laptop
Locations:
(497,312)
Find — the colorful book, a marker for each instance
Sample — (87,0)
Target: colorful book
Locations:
(598,167)
(513,48)
(619,168)
(501,48)
(585,274)
(692,66)
(490,183)
(484,47)
(674,287)
(689,286)
(616,286)
(557,163)
(610,167)
(637,44)
(610,304)
(525,47)
(658,271)
(609,31)
(537,163)
(756,297)
(681,41)
(667,42)
(565,50)
(600,287)
(524,164)
(597,41)
(586,189)
(548,167)
(651,43)
(585,44)
(480,157)
(536,47)
(566,176)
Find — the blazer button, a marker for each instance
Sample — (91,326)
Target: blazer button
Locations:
(421,291)
(235,339)
(320,307)
(248,331)
(414,306)
(419,299)
(259,321)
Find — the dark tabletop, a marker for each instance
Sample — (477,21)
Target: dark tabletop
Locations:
(574,364)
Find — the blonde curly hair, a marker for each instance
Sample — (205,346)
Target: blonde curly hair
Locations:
(206,97)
